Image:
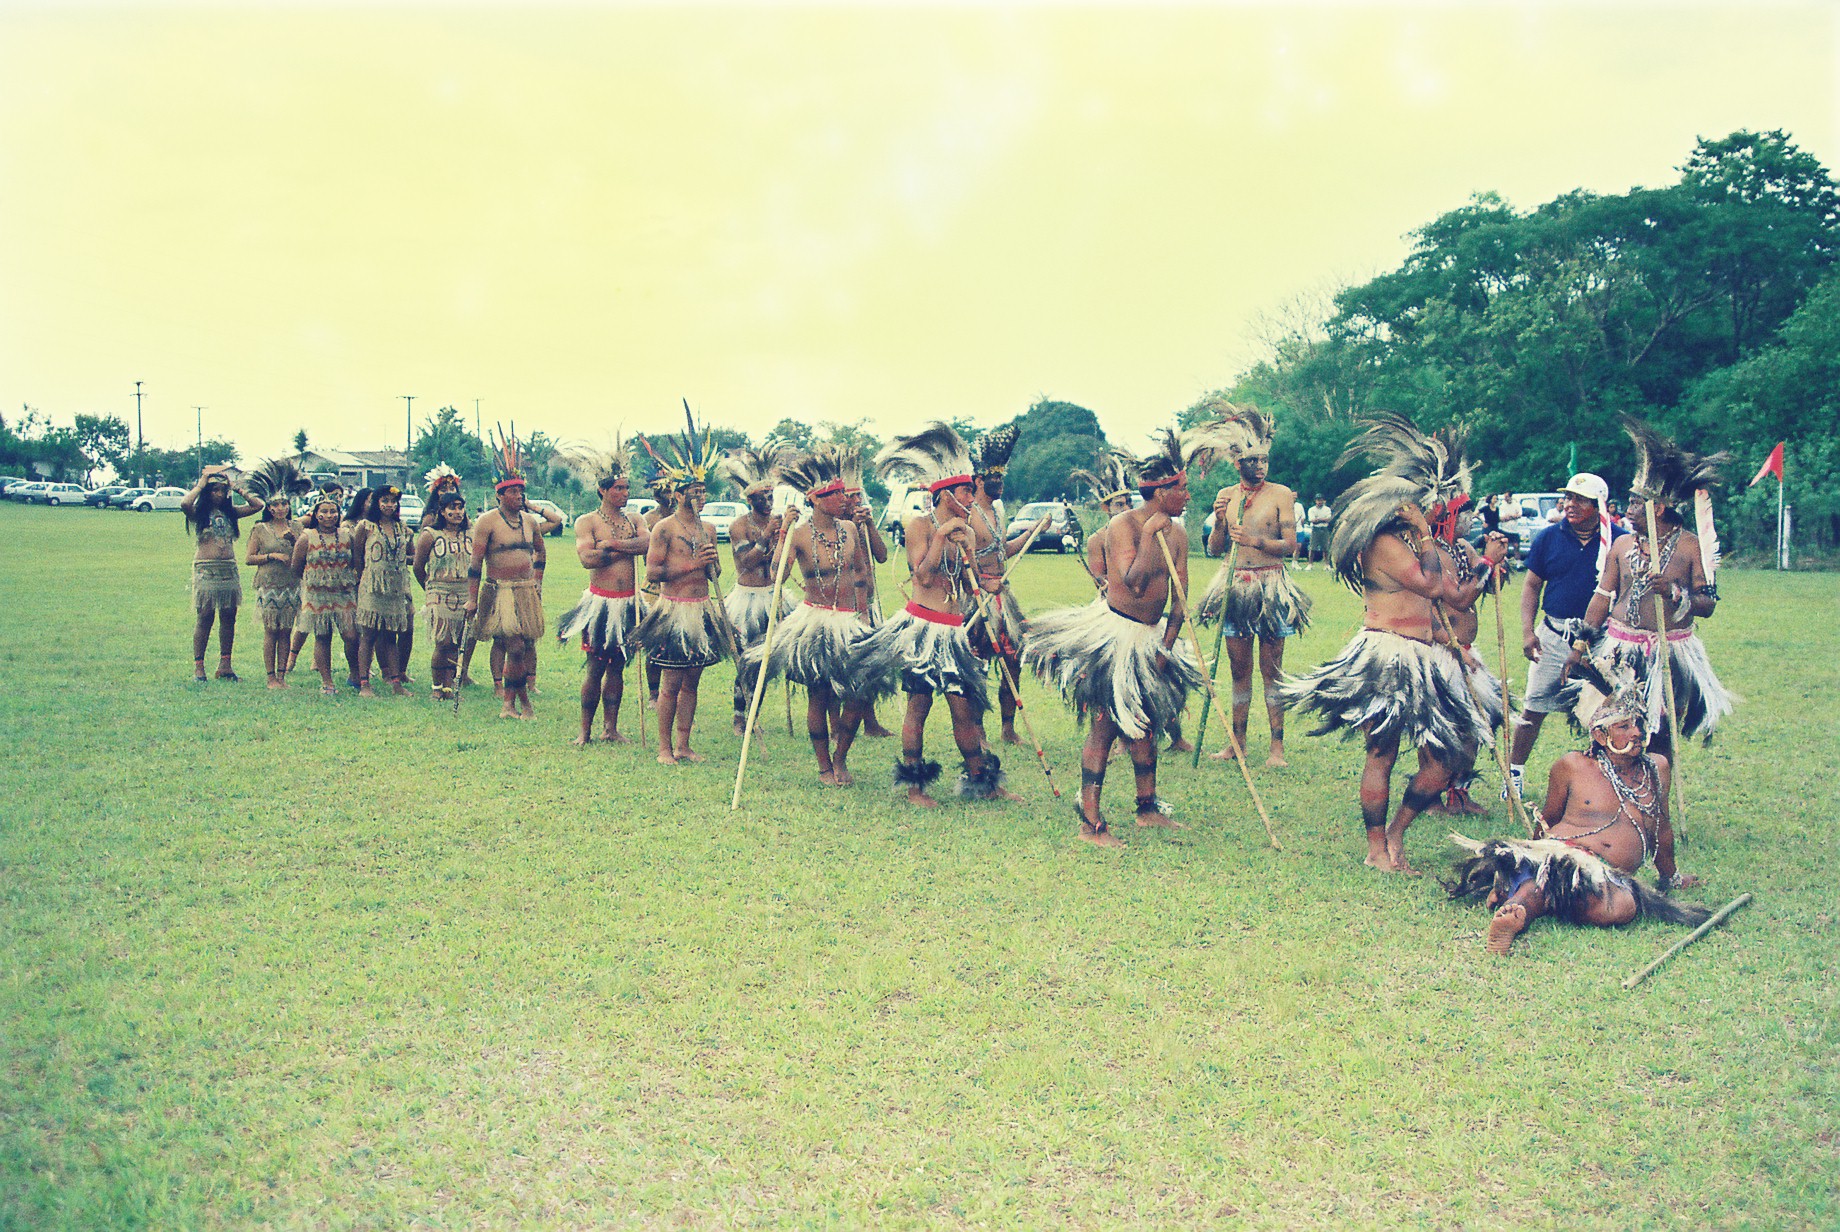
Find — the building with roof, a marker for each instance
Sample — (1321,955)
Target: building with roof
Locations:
(356,468)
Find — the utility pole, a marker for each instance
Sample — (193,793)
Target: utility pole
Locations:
(200,411)
(476,431)
(408,432)
(140,438)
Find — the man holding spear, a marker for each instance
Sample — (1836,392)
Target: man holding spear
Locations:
(1253,596)
(999,635)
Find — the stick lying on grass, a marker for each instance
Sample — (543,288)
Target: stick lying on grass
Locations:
(1717,919)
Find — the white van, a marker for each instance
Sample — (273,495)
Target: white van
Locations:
(902,508)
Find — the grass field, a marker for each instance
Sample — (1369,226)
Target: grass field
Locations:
(289,961)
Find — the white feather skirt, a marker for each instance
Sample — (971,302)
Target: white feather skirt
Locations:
(608,625)
(1257,602)
(1101,660)
(679,634)
(1392,686)
(812,646)
(1699,697)
(748,608)
(918,656)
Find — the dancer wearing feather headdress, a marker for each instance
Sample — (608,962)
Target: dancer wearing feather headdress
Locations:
(1605,816)
(686,630)
(441,479)
(271,551)
(509,556)
(925,648)
(1122,664)
(813,645)
(753,540)
(443,551)
(1398,678)
(1257,598)
(989,463)
(1620,623)
(607,542)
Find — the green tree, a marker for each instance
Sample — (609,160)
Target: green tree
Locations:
(104,442)
(300,441)
(444,438)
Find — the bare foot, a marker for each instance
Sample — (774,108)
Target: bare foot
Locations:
(1002,794)
(920,799)
(507,712)
(1276,760)
(274,682)
(582,740)
(527,714)
(1508,923)
(877,731)
(1225,754)
(466,682)
(1010,736)
(689,755)
(326,690)
(365,690)
(396,687)
(1159,822)
(1184,745)
(665,759)
(614,737)
(828,777)
(844,777)
(1098,835)
(740,724)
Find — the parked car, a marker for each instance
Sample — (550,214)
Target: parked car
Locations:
(99,497)
(126,497)
(1062,533)
(411,510)
(24,492)
(722,514)
(896,514)
(159,498)
(7,483)
(64,494)
(549,508)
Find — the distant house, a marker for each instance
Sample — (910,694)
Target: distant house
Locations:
(356,468)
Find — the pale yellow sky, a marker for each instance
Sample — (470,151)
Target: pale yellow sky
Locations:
(294,215)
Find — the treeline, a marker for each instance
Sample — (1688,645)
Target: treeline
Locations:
(1710,307)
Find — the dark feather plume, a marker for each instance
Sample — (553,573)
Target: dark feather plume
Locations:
(990,455)
(1666,472)
(277,477)
(935,452)
(817,466)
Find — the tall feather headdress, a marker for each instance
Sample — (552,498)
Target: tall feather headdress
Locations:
(816,472)
(751,469)
(276,477)
(990,455)
(1410,468)
(933,458)
(1664,471)
(1258,426)
(507,458)
(439,474)
(692,453)
(1113,476)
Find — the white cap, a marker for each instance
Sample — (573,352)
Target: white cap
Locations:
(1590,487)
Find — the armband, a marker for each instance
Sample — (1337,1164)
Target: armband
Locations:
(1483,569)
(536,566)
(473,572)
(1709,590)
(1599,590)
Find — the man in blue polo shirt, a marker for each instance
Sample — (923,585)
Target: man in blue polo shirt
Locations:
(1563,566)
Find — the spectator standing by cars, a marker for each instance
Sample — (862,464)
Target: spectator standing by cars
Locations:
(1318,516)
(217,590)
(1563,565)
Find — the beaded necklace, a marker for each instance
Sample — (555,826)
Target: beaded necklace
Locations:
(1641,797)
(1642,577)
(836,547)
(951,560)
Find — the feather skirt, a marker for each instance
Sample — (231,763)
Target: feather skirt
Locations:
(811,647)
(1393,687)
(685,633)
(1007,618)
(1698,695)
(608,625)
(1570,877)
(216,586)
(511,608)
(749,607)
(918,656)
(1264,603)
(1100,660)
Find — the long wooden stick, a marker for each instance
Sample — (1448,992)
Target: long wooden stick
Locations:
(1717,919)
(1220,631)
(1041,754)
(1679,820)
(766,648)
(1239,754)
(1501,644)
(1515,805)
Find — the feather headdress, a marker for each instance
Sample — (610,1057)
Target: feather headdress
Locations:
(852,463)
(990,454)
(441,474)
(1113,476)
(507,458)
(277,478)
(693,453)
(751,469)
(1664,471)
(933,458)
(1602,692)
(1213,439)
(1410,468)
(816,472)
(1259,427)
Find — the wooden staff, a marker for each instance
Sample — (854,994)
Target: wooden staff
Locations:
(1041,755)
(1010,566)
(1667,672)
(1689,939)
(1515,805)
(1239,755)
(766,647)
(1220,632)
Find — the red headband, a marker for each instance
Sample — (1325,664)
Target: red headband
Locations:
(502,484)
(950,481)
(830,489)
(1178,477)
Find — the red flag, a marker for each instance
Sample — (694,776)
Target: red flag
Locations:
(1773,466)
